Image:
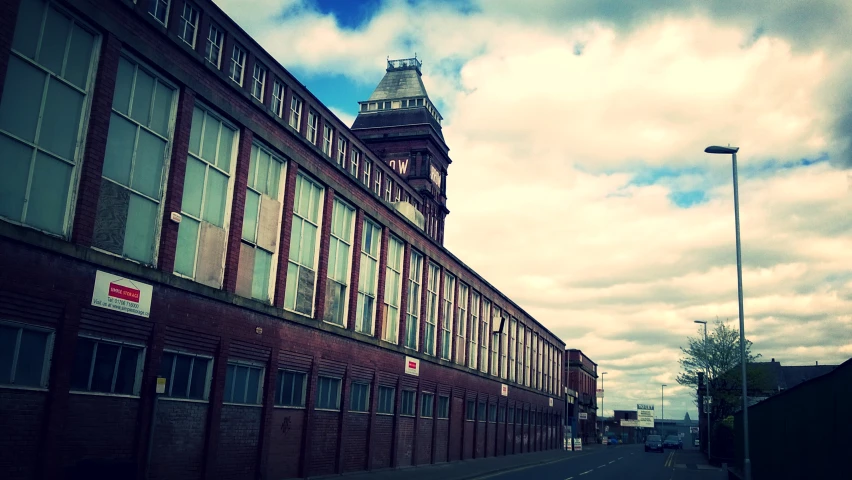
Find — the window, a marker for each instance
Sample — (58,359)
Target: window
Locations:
(107,367)
(159,9)
(447,330)
(205,206)
(341,150)
(511,415)
(470,411)
(495,353)
(188,24)
(528,358)
(427,403)
(480,411)
(520,346)
(504,350)
(502,413)
(393,290)
(368,277)
(278,98)
(313,122)
(138,147)
(359,398)
(187,376)
(261,225)
(412,325)
(484,333)
(377,187)
(238,65)
(474,330)
(295,112)
(513,346)
(45,99)
(258,83)
(328,393)
(291,389)
(407,403)
(461,315)
(534,366)
(304,237)
(386,400)
(388,188)
(327,139)
(24,355)
(367,173)
(354,161)
(432,287)
(213,51)
(243,383)
(398,194)
(339,256)
(443,406)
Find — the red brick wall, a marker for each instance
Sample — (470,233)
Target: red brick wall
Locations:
(98,427)
(324,443)
(468,439)
(285,449)
(239,431)
(179,434)
(355,447)
(442,435)
(21,417)
(406,441)
(380,449)
(423,454)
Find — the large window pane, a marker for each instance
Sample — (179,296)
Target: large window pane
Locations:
(198,381)
(8,340)
(262,268)
(214,204)
(105,361)
(139,238)
(28,27)
(140,109)
(163,98)
(119,149)
(250,218)
(186,246)
(79,57)
(13,181)
(53,40)
(125,377)
(180,377)
(193,187)
(123,87)
(61,120)
(148,169)
(210,139)
(19,111)
(49,194)
(82,364)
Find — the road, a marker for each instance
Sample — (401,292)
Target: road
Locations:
(616,463)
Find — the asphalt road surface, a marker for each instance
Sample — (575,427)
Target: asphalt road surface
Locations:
(619,462)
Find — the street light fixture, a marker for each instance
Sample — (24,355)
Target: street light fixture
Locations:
(602,404)
(733,152)
(706,383)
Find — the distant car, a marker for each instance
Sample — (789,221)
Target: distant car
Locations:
(612,441)
(654,442)
(673,441)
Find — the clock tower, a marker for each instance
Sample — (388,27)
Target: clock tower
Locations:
(402,126)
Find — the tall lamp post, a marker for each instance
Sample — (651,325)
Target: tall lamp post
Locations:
(706,383)
(663,401)
(602,404)
(733,152)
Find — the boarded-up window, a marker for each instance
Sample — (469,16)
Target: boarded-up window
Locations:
(44,103)
(206,199)
(302,264)
(339,261)
(261,224)
(137,152)
(368,277)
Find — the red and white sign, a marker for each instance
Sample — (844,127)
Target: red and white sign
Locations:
(504,390)
(412,366)
(122,294)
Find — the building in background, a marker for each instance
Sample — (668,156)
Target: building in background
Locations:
(581,376)
(178,214)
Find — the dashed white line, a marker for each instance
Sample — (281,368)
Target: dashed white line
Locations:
(587,471)
(602,466)
(612,462)
(620,458)
(569,478)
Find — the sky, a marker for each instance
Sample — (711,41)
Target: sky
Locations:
(579,185)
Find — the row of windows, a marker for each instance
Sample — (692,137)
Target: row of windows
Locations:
(405,103)
(111,367)
(43,109)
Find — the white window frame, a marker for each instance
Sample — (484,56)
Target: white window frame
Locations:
(528,357)
(327,140)
(393,270)
(208,376)
(247,364)
(360,321)
(348,241)
(277,98)
(187,21)
(279,388)
(412,394)
(154,7)
(258,84)
(377,187)
(449,311)
(473,350)
(433,305)
(341,150)
(385,388)
(439,414)
(215,39)
(318,225)
(44,381)
(388,188)
(339,393)
(238,59)
(366,407)
(313,125)
(295,120)
(484,334)
(354,162)
(513,347)
(366,180)
(140,364)
(427,398)
(412,319)
(461,329)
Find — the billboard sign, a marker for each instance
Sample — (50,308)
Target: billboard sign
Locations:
(412,366)
(645,414)
(122,294)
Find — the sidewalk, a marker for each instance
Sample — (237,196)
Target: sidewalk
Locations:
(468,469)
(692,459)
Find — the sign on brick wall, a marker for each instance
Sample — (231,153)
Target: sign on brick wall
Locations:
(412,366)
(122,294)
(504,390)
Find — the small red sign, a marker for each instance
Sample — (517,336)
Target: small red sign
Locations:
(412,364)
(124,293)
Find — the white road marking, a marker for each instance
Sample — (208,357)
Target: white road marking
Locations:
(569,478)
(620,458)
(602,466)
(587,471)
(612,462)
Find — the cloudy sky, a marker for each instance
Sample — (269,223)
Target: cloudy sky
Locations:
(579,186)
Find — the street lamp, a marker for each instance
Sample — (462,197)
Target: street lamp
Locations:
(602,404)
(663,401)
(706,383)
(733,152)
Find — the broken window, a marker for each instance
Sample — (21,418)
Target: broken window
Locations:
(339,256)
(304,239)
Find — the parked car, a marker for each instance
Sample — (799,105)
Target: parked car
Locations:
(673,441)
(612,441)
(653,442)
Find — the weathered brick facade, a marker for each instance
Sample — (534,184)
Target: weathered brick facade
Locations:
(53,430)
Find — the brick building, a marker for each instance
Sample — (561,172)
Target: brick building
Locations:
(156,162)
(581,376)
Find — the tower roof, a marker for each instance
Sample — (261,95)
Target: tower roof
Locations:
(401,80)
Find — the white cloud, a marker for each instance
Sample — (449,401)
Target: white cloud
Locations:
(545,144)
